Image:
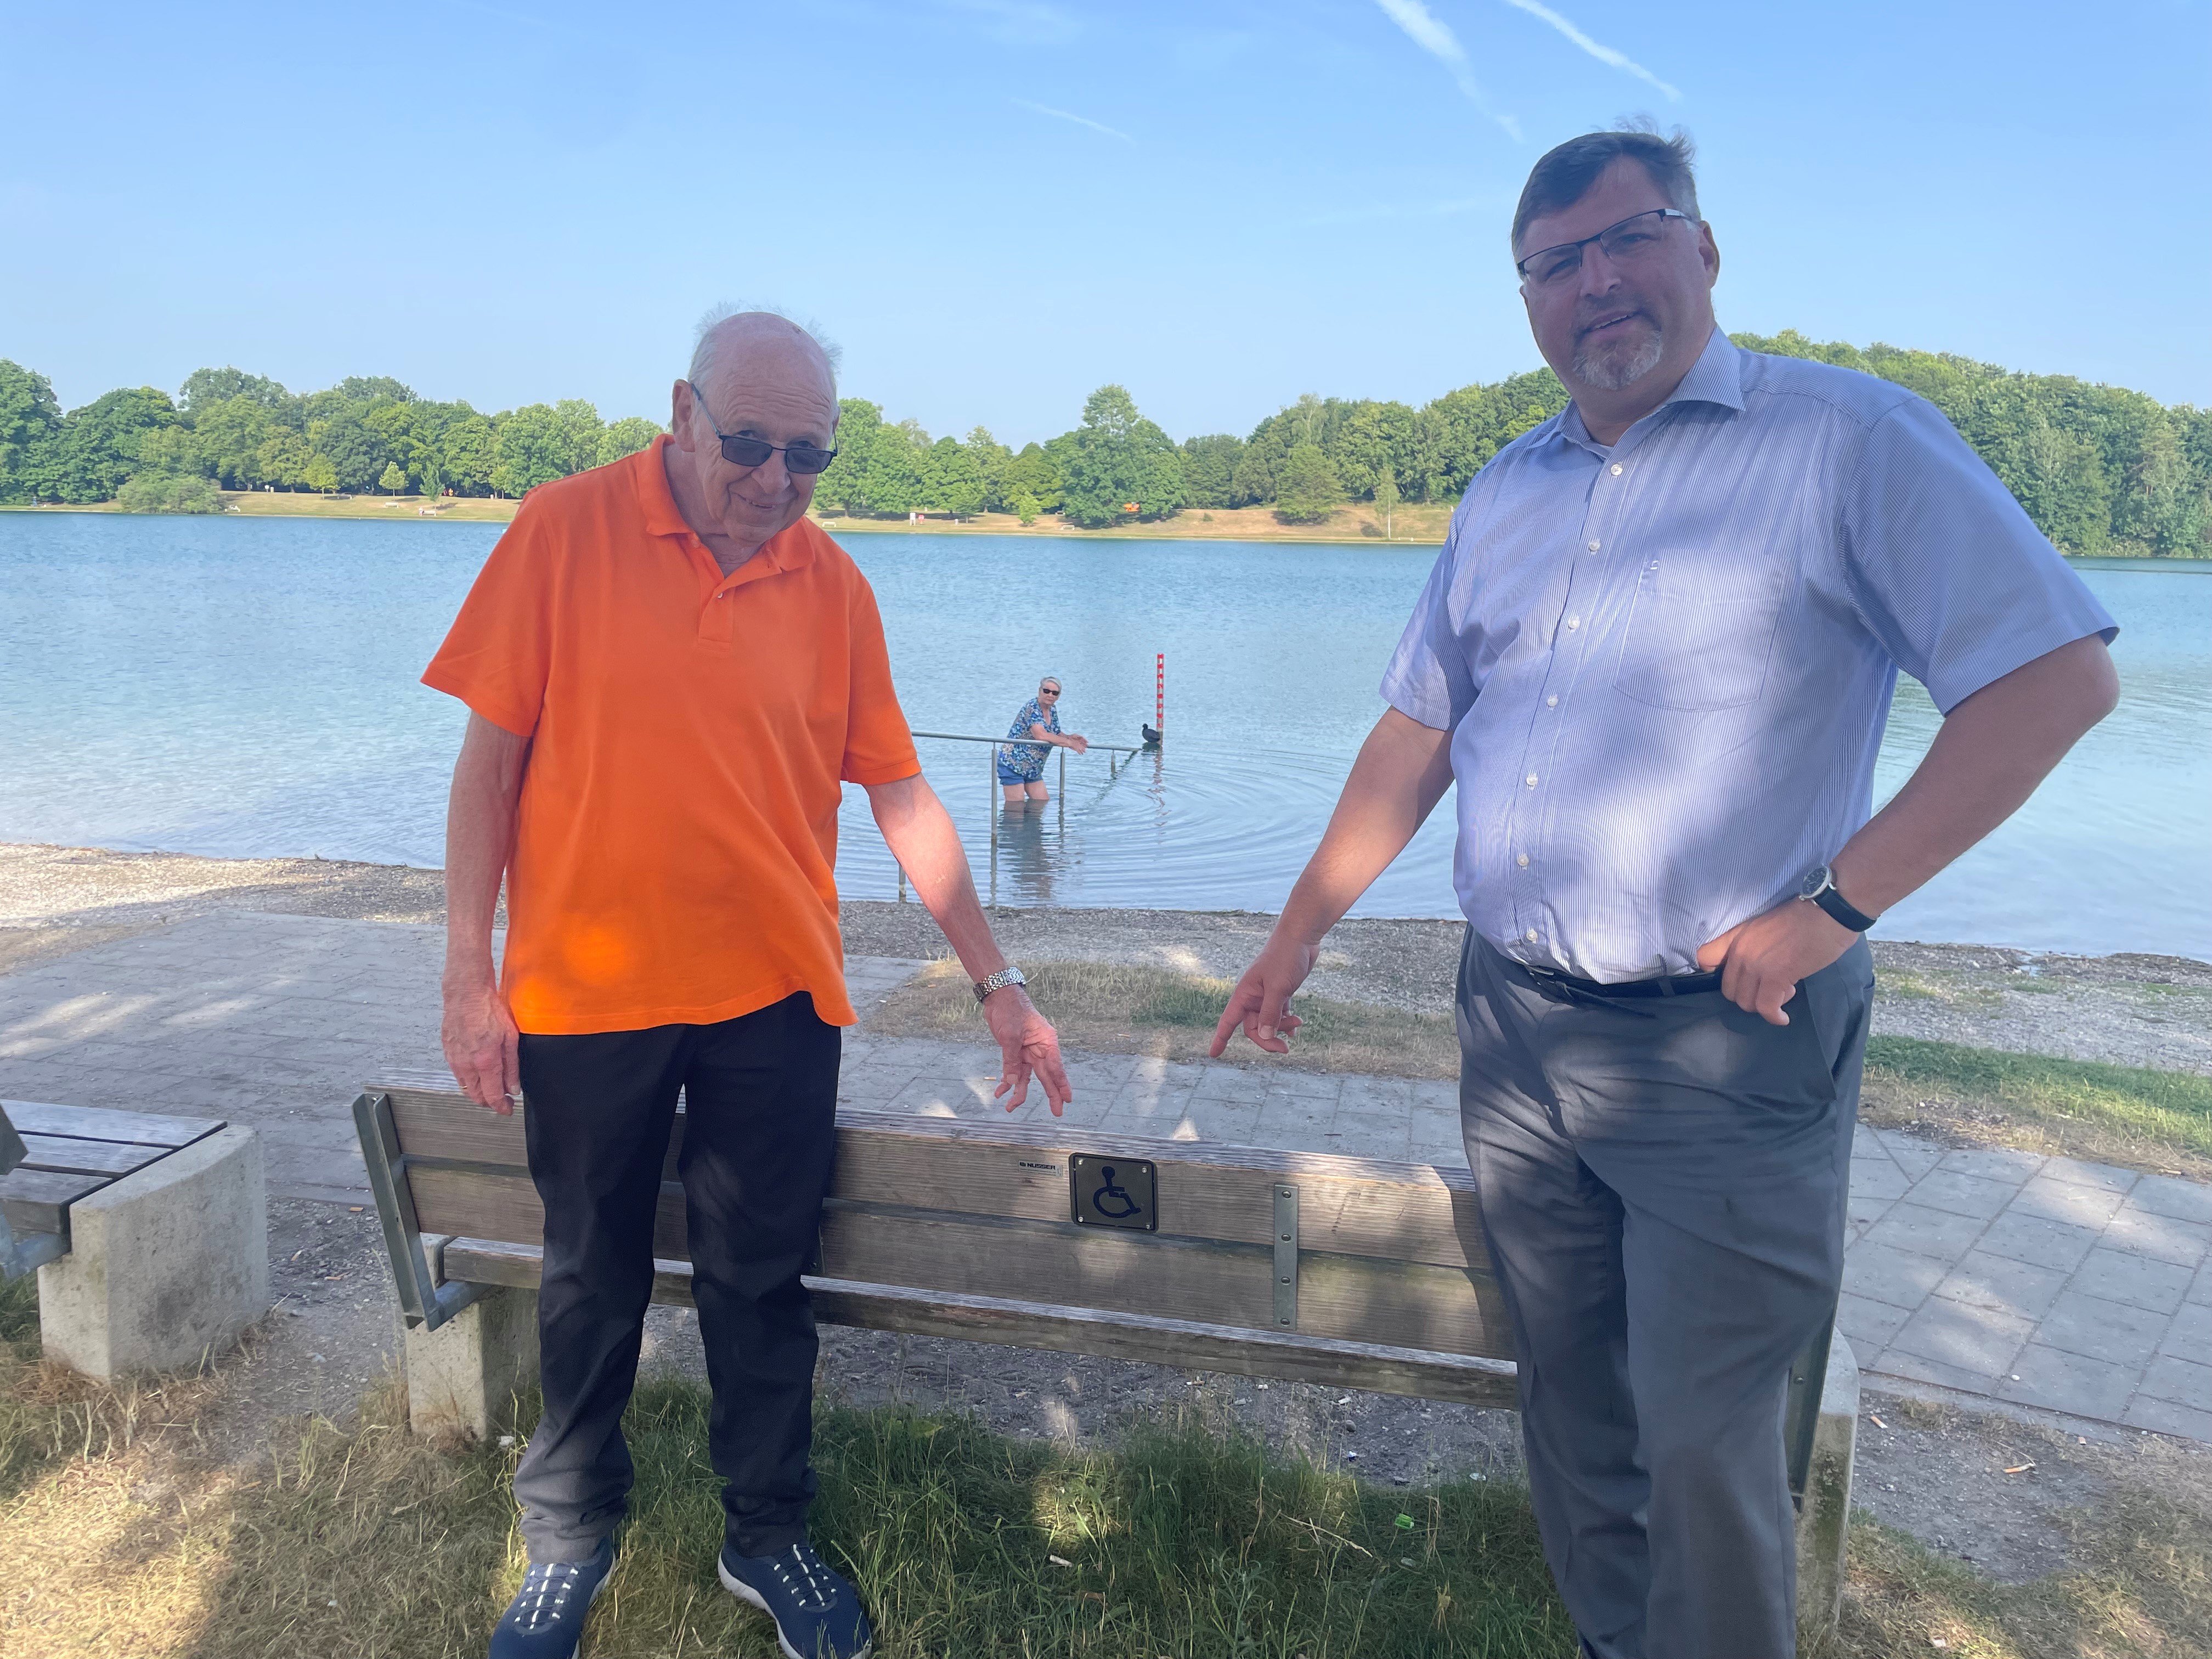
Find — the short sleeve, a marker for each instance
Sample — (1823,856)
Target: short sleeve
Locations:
(1428,679)
(499,652)
(1949,572)
(878,747)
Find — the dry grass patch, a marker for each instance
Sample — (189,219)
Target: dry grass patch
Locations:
(1124,1009)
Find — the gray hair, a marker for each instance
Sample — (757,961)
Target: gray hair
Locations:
(1564,175)
(703,339)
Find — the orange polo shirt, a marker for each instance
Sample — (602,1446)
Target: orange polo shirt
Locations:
(676,853)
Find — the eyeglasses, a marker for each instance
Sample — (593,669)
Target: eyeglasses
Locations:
(1624,243)
(752,451)
(1052,693)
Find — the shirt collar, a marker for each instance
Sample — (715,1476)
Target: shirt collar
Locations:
(1716,378)
(789,550)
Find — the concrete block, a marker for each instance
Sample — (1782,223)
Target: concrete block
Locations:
(463,1378)
(167,1265)
(1824,1518)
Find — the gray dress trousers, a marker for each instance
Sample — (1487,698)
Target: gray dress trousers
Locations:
(1663,1181)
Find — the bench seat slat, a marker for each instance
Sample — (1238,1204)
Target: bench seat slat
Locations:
(100,1123)
(37,1200)
(1470,1379)
(69,1155)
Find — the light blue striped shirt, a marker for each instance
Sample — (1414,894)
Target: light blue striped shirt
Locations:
(1666,666)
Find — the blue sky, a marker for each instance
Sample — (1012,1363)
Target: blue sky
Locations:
(995,205)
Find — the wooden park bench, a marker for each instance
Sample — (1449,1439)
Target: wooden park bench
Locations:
(152,1232)
(1347,1271)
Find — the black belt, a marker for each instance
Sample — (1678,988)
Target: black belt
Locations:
(1676,985)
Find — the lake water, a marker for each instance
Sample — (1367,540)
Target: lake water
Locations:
(246,687)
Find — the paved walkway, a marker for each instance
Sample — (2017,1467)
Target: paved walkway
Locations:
(2043,1282)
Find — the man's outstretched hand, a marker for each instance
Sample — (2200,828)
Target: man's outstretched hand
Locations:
(1262,1001)
(1027,1044)
(1762,961)
(478,1036)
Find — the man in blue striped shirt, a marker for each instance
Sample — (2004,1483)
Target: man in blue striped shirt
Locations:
(1657,655)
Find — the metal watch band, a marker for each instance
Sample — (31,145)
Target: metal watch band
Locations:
(998,982)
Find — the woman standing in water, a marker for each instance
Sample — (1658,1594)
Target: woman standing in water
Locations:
(1021,765)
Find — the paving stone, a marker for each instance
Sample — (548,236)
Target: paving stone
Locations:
(2032,1238)
(2200,1288)
(2003,1285)
(1927,1232)
(2178,1381)
(1962,1194)
(1878,1178)
(2170,1195)
(2106,1177)
(2190,1336)
(2160,1237)
(2133,1280)
(2104,1330)
(2061,1380)
(2062,1201)
(1971,1339)
(2164,1417)
(1313,1084)
(1993,1163)
(1896,1363)
(1866,1143)
(1896,1277)
(1914,1156)
(1868,1324)
(1864,1212)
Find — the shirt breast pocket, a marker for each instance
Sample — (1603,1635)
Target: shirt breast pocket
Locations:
(1701,630)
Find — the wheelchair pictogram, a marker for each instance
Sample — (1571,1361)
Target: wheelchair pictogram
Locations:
(1113,1191)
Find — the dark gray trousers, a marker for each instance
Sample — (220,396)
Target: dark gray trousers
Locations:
(1663,1183)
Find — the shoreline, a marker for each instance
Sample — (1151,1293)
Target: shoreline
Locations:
(1226,524)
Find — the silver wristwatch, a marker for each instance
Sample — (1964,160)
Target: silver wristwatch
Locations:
(998,982)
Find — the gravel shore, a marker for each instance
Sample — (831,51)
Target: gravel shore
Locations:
(2127,1010)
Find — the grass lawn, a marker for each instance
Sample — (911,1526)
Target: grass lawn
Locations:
(118,1535)
(2126,1115)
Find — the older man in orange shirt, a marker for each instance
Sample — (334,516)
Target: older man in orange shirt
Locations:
(670,672)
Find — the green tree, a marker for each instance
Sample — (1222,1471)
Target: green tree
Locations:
(30,426)
(531,446)
(205,386)
(1386,499)
(952,480)
(319,475)
(374,389)
(992,458)
(626,437)
(466,455)
(1367,440)
(1119,466)
(1308,489)
(581,432)
(893,483)
(1034,474)
(282,462)
(99,444)
(392,481)
(844,484)
(167,492)
(1209,469)
(1025,507)
(228,432)
(356,450)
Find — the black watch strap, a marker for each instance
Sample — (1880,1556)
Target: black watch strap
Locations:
(1838,907)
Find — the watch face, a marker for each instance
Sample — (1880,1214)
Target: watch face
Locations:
(1814,882)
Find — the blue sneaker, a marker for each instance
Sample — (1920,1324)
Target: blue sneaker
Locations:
(545,1620)
(817,1613)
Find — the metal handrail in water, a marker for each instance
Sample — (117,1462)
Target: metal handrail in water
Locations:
(1032,742)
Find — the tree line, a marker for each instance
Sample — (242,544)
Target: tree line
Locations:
(231,430)
(2100,469)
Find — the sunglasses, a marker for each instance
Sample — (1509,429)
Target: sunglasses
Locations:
(753,451)
(1052,693)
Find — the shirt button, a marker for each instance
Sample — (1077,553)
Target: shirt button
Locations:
(1532,936)
(1523,860)
(1573,623)
(1616,469)
(1532,780)
(1593,547)
(1552,702)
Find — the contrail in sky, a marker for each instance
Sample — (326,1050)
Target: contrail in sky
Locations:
(1429,32)
(1079,120)
(1604,54)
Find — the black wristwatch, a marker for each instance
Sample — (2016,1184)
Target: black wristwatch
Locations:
(1820,886)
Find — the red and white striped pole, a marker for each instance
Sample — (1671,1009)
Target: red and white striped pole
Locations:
(1160,692)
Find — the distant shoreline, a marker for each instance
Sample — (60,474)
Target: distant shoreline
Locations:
(1348,526)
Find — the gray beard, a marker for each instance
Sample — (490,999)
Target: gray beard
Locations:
(1615,369)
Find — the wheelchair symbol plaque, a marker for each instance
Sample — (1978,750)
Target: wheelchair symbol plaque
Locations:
(1114,1191)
